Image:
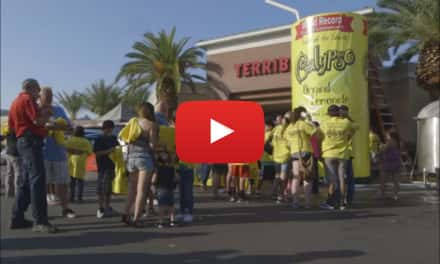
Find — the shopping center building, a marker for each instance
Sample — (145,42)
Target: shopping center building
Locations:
(255,66)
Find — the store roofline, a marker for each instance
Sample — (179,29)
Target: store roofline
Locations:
(261,32)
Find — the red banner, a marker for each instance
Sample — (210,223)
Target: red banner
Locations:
(326,23)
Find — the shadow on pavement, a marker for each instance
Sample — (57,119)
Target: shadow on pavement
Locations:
(89,239)
(208,257)
(271,213)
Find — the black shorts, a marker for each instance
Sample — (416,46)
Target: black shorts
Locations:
(219,169)
(105,180)
(267,171)
(165,197)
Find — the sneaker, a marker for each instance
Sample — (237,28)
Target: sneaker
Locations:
(155,202)
(159,225)
(232,199)
(343,207)
(21,225)
(326,206)
(100,213)
(279,200)
(179,217)
(295,205)
(69,213)
(47,228)
(239,200)
(51,200)
(108,212)
(172,224)
(187,218)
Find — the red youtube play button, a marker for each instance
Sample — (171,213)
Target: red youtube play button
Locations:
(219,131)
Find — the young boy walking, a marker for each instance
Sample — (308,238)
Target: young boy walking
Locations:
(166,184)
(103,146)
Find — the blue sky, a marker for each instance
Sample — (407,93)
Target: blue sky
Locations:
(70,44)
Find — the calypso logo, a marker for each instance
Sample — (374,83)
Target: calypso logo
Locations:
(329,60)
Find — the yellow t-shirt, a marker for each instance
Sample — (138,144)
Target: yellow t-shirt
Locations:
(266,156)
(280,147)
(5,129)
(58,135)
(337,137)
(253,170)
(374,142)
(77,163)
(298,136)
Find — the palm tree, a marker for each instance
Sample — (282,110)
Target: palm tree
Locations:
(71,102)
(414,22)
(101,98)
(162,61)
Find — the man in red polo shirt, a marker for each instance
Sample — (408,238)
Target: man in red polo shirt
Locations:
(30,132)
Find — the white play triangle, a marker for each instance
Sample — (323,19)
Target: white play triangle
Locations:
(218,131)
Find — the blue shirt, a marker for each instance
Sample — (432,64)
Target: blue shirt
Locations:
(51,150)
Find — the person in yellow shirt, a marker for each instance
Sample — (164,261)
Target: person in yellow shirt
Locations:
(374,148)
(281,157)
(239,173)
(78,148)
(267,165)
(298,135)
(336,137)
(344,113)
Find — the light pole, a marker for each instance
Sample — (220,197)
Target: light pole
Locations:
(284,7)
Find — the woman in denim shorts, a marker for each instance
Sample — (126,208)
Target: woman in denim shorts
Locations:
(140,164)
(298,135)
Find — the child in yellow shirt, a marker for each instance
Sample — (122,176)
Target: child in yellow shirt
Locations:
(79,148)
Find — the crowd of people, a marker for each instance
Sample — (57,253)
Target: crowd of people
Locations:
(46,167)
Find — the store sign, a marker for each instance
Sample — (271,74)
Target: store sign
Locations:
(263,67)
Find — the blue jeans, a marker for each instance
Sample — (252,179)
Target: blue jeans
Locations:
(204,172)
(32,185)
(350,182)
(186,189)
